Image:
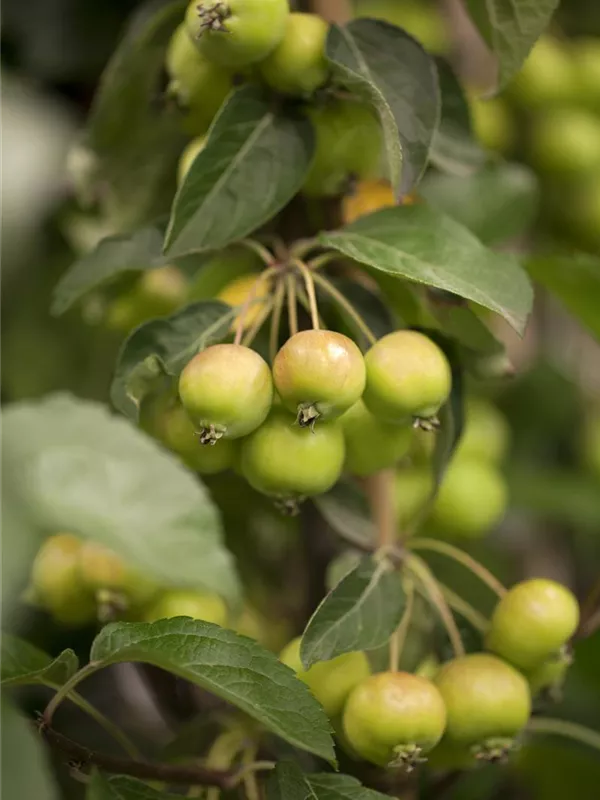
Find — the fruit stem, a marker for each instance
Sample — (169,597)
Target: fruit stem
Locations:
(241,317)
(462,558)
(339,298)
(310,291)
(323,260)
(303,300)
(258,323)
(560,727)
(399,636)
(276,319)
(261,251)
(421,571)
(67,688)
(466,610)
(290,282)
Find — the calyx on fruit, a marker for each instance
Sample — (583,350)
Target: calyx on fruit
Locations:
(227,390)
(394,719)
(319,375)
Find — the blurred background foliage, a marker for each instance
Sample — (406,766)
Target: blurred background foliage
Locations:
(53,52)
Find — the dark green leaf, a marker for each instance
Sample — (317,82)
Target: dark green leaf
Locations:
(455,149)
(163,347)
(423,245)
(233,667)
(26,772)
(327,786)
(22,663)
(119,787)
(340,566)
(136,251)
(510,28)
(392,70)
(82,469)
(575,280)
(497,203)
(360,613)
(254,162)
(287,782)
(346,509)
(129,151)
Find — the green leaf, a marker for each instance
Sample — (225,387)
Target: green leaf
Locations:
(22,664)
(20,541)
(233,667)
(388,67)
(360,613)
(455,149)
(287,782)
(254,162)
(575,280)
(423,245)
(510,29)
(346,510)
(498,203)
(327,786)
(81,469)
(163,347)
(26,772)
(140,250)
(129,152)
(464,325)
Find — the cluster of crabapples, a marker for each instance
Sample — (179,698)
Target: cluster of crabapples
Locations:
(291,430)
(222,44)
(473,707)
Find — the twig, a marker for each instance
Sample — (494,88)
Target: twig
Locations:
(462,558)
(421,571)
(380,489)
(168,773)
(339,298)
(339,11)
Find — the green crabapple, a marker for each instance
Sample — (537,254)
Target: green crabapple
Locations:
(103,570)
(348,146)
(199,85)
(486,434)
(188,603)
(227,390)
(235,33)
(394,718)
(329,681)
(413,486)
(471,499)
(318,375)
(488,704)
(532,622)
(298,66)
(57,583)
(288,462)
(372,444)
(178,435)
(408,376)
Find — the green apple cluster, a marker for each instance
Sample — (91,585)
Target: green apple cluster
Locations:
(469,709)
(292,428)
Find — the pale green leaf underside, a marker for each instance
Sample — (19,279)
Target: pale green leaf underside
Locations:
(81,469)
